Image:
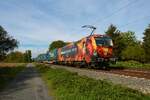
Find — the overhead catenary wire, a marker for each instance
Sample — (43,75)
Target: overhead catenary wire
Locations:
(134,21)
(115,12)
(128,23)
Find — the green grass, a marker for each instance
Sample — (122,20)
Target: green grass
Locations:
(70,86)
(131,64)
(7,74)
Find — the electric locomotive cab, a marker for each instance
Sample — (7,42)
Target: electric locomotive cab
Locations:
(104,49)
(104,41)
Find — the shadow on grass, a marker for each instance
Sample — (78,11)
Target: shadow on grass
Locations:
(11,83)
(7,74)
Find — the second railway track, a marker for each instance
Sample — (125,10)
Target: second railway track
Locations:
(139,73)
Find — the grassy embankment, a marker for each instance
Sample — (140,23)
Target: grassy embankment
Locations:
(8,72)
(70,86)
(131,64)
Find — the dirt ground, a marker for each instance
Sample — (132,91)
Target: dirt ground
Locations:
(27,86)
(11,64)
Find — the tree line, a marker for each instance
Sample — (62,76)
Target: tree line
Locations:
(18,56)
(126,45)
(7,45)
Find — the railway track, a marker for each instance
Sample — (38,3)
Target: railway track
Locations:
(139,73)
(138,79)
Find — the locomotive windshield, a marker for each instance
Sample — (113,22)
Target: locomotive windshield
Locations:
(104,41)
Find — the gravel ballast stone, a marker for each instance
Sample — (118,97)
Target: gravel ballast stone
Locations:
(140,84)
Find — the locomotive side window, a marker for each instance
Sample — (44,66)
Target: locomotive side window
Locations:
(104,41)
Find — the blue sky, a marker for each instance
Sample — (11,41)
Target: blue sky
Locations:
(35,23)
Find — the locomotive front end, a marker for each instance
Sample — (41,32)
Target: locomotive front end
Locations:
(104,49)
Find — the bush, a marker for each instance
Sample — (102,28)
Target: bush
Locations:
(134,52)
(131,64)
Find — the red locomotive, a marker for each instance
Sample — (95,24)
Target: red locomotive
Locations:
(94,50)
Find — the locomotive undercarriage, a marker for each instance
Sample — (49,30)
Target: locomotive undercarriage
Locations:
(96,62)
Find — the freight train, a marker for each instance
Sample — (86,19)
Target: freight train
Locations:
(94,50)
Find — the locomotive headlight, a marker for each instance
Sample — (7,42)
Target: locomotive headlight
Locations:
(105,51)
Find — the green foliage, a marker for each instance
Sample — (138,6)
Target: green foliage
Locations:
(134,52)
(70,86)
(14,57)
(131,64)
(128,38)
(146,43)
(119,46)
(7,43)
(117,37)
(112,31)
(57,44)
(27,56)
(132,48)
(124,42)
(7,74)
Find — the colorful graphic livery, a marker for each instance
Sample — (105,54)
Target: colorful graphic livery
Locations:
(94,50)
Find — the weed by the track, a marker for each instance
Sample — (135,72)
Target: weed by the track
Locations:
(70,86)
(131,64)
